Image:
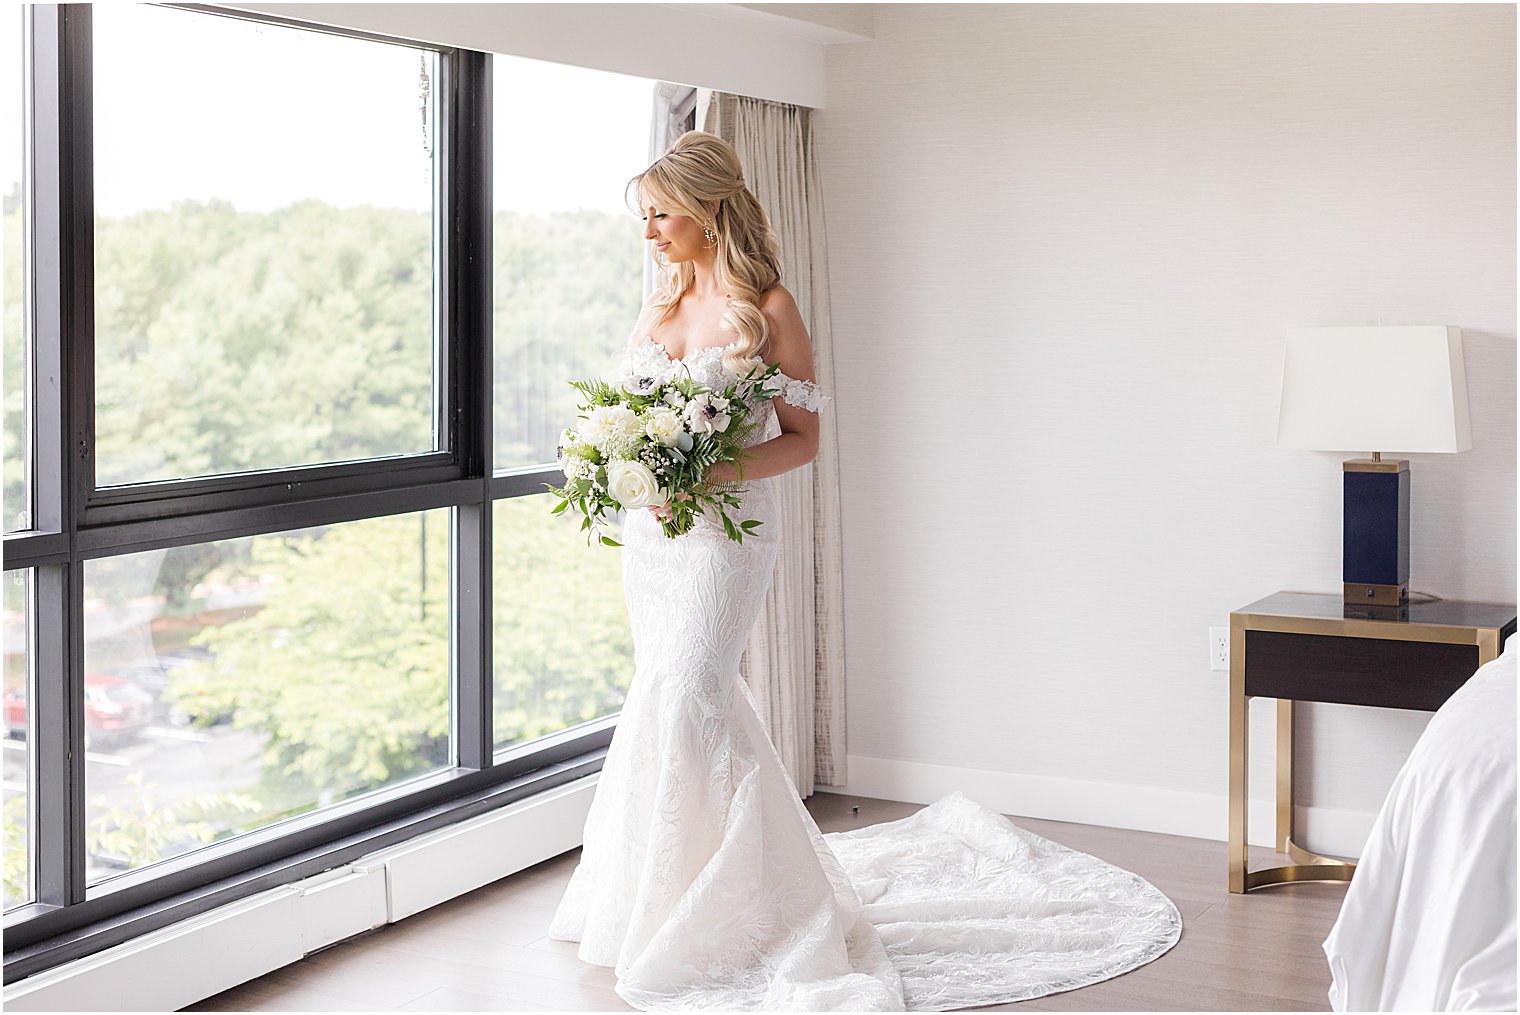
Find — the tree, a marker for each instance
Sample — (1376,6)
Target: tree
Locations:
(230,341)
(346,665)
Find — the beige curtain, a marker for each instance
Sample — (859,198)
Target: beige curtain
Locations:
(794,662)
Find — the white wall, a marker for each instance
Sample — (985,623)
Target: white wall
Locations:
(1065,242)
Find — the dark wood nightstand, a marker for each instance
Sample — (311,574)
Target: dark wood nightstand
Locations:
(1296,646)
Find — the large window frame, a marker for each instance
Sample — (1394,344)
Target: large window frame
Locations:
(75,522)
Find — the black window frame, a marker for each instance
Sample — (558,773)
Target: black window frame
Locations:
(74,522)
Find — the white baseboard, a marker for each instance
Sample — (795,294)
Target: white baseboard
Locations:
(1116,805)
(175,966)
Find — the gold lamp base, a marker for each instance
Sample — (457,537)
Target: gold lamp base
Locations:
(1376,595)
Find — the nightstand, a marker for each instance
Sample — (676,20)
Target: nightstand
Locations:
(1296,646)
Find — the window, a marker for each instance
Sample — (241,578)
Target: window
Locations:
(568,284)
(276,595)
(564,653)
(569,253)
(264,270)
(230,685)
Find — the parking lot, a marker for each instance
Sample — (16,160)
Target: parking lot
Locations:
(177,766)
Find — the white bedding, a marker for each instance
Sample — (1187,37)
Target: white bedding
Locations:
(1429,919)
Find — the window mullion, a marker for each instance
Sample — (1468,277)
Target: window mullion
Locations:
(58,83)
(465,101)
(57,728)
(51,404)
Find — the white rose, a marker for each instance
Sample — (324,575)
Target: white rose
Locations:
(704,414)
(632,485)
(663,425)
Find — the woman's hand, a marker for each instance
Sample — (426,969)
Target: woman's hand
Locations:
(662,511)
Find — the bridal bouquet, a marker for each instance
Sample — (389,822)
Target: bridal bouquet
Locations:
(645,445)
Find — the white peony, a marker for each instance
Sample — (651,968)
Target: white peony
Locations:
(594,430)
(632,485)
(664,426)
(707,414)
(622,420)
(606,420)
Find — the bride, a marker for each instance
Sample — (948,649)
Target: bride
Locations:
(703,881)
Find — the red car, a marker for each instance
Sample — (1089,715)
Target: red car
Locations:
(114,710)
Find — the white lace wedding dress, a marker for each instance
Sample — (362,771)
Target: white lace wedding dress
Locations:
(706,884)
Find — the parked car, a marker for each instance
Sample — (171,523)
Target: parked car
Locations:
(173,686)
(115,710)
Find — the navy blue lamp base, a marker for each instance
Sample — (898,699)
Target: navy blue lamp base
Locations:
(1375,564)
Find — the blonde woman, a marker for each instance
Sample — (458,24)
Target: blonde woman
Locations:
(692,788)
(702,879)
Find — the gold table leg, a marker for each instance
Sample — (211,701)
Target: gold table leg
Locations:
(1284,773)
(1307,866)
(1239,757)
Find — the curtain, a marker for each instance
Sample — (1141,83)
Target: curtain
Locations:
(794,661)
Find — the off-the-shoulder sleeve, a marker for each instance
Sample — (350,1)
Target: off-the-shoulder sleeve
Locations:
(803,394)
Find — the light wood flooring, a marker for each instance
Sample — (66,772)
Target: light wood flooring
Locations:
(487,951)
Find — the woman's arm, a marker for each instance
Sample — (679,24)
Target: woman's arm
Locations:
(791,349)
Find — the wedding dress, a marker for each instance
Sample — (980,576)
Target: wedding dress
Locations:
(704,881)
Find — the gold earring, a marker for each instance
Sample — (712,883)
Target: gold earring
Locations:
(709,235)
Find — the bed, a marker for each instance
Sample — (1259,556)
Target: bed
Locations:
(1429,919)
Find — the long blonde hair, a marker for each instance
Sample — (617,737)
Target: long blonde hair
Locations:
(700,169)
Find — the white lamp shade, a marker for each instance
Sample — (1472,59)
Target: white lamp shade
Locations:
(1400,389)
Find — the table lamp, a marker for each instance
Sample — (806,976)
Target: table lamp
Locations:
(1375,389)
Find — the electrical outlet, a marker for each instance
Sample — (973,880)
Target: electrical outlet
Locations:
(1219,648)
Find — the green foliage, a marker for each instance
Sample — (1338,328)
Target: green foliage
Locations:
(599,392)
(14,859)
(228,341)
(346,665)
(564,653)
(141,829)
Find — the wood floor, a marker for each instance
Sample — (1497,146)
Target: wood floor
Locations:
(487,951)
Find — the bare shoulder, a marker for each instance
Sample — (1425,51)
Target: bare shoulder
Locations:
(783,318)
(777,304)
(788,340)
